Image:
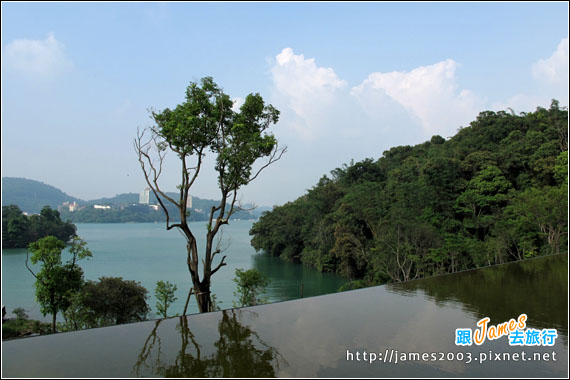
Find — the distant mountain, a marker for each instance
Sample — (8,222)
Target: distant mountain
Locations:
(133,198)
(31,196)
(204,205)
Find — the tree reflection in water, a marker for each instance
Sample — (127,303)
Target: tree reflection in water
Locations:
(537,287)
(239,352)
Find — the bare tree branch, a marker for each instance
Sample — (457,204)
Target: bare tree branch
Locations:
(219,247)
(240,207)
(142,150)
(30,269)
(273,158)
(221,264)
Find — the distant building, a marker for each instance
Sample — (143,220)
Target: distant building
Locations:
(71,207)
(189,201)
(154,207)
(144,197)
(102,207)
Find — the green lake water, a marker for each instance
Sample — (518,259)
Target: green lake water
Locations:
(147,253)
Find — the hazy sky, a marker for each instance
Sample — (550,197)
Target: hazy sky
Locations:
(350,79)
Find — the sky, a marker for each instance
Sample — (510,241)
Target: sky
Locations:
(351,80)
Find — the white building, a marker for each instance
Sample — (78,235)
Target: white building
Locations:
(102,207)
(144,197)
(73,206)
(189,202)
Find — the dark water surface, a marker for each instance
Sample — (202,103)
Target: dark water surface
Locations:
(322,336)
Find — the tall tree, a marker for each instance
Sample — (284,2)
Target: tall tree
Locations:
(164,293)
(250,284)
(206,122)
(547,210)
(484,198)
(56,281)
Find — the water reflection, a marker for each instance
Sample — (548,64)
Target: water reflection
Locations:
(237,352)
(291,281)
(312,337)
(538,288)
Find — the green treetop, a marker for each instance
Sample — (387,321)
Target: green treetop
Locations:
(56,281)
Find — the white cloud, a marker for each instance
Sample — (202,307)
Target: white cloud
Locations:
(326,123)
(553,70)
(308,90)
(430,93)
(550,82)
(37,58)
(424,101)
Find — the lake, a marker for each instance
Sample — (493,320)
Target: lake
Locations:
(323,336)
(147,253)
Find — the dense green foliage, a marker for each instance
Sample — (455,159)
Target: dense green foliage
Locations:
(31,196)
(56,281)
(493,193)
(115,301)
(60,287)
(250,285)
(19,230)
(164,294)
(109,301)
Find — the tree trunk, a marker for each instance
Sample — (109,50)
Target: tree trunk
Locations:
(203,296)
(54,308)
(201,288)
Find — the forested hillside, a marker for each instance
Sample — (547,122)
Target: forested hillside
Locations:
(19,230)
(31,196)
(493,193)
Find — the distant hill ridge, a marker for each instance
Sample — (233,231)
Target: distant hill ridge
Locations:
(30,196)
